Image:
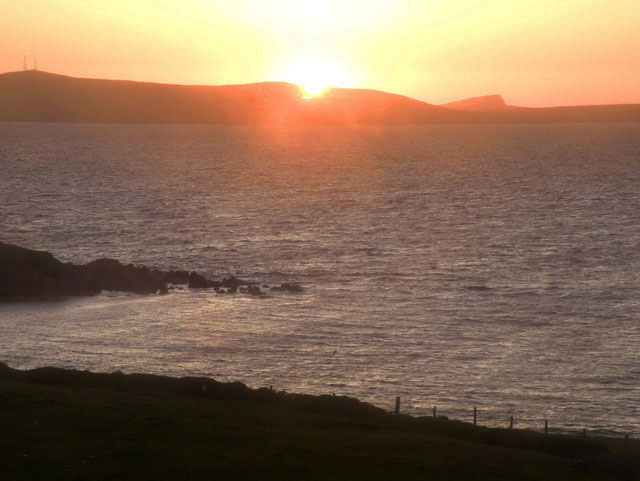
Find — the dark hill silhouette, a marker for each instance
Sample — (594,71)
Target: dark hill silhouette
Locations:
(34,96)
(45,97)
(475,104)
(493,109)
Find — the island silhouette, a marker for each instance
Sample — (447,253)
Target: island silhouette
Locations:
(37,96)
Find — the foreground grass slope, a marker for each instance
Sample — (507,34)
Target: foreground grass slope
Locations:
(57,424)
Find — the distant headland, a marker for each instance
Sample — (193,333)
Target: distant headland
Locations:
(30,274)
(36,96)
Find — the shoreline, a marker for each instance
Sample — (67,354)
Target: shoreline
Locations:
(64,374)
(204,386)
(27,274)
(68,401)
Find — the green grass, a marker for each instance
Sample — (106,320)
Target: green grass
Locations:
(74,428)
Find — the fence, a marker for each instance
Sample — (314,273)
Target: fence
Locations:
(396,411)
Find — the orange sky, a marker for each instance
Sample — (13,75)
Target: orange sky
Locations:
(536,53)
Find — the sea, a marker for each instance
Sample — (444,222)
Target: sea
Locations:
(486,266)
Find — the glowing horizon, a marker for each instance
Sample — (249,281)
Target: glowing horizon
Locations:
(316,76)
(536,53)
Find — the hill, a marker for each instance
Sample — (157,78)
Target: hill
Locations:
(34,96)
(67,424)
(475,104)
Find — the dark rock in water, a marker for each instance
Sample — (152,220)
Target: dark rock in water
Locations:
(28,273)
(233,281)
(196,281)
(175,277)
(111,275)
(289,287)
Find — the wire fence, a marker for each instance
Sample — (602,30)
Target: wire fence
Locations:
(544,426)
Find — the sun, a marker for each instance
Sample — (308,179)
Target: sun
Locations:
(315,77)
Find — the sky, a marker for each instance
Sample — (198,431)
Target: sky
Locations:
(533,52)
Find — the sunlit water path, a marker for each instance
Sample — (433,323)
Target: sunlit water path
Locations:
(457,266)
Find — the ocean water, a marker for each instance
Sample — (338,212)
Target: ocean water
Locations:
(457,266)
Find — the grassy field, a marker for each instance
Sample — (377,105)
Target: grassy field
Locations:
(58,424)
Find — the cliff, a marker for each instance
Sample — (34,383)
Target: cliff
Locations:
(475,104)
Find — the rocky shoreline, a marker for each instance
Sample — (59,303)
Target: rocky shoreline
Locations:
(28,274)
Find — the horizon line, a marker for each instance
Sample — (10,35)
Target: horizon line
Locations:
(457,99)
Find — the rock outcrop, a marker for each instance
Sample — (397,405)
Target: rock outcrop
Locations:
(26,273)
(478,104)
(111,275)
(196,281)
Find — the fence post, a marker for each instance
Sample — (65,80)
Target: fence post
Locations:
(546,427)
(475,416)
(397,411)
(511,422)
(434,411)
